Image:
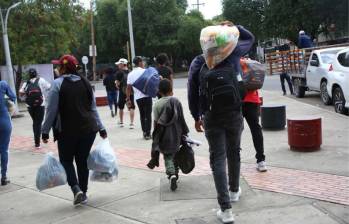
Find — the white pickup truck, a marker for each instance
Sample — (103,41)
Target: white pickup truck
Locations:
(324,70)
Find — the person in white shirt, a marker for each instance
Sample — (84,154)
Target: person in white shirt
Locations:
(35,90)
(144,102)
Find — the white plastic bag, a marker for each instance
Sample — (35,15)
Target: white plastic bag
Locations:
(104,176)
(50,174)
(11,107)
(218,42)
(103,158)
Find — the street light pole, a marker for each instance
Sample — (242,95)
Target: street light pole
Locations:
(130,27)
(9,78)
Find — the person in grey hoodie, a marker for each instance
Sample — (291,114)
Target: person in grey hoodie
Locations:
(169,129)
(72,114)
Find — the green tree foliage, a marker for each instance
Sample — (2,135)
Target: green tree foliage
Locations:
(155,26)
(189,34)
(111,30)
(249,13)
(182,4)
(42,30)
(286,18)
(275,18)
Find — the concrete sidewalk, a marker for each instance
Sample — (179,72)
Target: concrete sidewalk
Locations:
(298,187)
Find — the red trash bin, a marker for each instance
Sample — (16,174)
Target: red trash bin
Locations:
(304,133)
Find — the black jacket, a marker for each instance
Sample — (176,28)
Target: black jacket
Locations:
(170,128)
(109,82)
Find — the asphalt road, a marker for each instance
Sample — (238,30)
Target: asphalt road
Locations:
(272,83)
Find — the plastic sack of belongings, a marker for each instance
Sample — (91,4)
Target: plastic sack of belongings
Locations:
(218,42)
(50,174)
(104,176)
(102,163)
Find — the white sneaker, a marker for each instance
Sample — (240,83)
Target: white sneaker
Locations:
(226,216)
(235,196)
(262,166)
(121,125)
(132,126)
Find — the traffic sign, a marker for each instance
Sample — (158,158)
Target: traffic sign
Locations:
(91,51)
(84,60)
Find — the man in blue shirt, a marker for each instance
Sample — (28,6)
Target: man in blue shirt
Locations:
(304,40)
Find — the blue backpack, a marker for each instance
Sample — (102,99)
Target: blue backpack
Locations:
(148,82)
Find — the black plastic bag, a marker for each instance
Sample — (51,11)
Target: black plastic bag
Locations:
(185,158)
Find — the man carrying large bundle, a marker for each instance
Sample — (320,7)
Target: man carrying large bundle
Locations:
(215,100)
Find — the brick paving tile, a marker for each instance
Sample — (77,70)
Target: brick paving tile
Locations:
(321,186)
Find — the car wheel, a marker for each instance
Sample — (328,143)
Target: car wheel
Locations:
(298,89)
(324,94)
(339,101)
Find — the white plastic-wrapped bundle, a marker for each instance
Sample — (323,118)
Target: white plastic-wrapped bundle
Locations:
(218,42)
(103,158)
(104,176)
(50,174)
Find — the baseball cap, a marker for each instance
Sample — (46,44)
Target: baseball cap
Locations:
(301,32)
(122,61)
(66,60)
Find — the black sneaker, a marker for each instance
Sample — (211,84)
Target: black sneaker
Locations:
(78,195)
(112,114)
(4,181)
(173,182)
(153,163)
(84,198)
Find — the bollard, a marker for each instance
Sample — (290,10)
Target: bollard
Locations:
(304,133)
(273,117)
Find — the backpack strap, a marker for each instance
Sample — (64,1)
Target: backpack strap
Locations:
(37,81)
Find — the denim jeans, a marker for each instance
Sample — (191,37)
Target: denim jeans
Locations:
(170,165)
(224,145)
(284,76)
(5,134)
(113,99)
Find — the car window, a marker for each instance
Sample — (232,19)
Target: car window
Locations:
(327,58)
(343,59)
(314,57)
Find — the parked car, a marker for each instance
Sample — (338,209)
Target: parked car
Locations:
(338,81)
(315,76)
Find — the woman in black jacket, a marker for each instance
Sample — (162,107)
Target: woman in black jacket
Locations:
(72,113)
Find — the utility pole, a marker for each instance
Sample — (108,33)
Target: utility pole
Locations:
(198,4)
(93,43)
(128,52)
(9,78)
(130,27)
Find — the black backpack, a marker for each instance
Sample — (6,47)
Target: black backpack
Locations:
(34,95)
(219,90)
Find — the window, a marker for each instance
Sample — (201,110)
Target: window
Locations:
(314,57)
(343,59)
(327,58)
